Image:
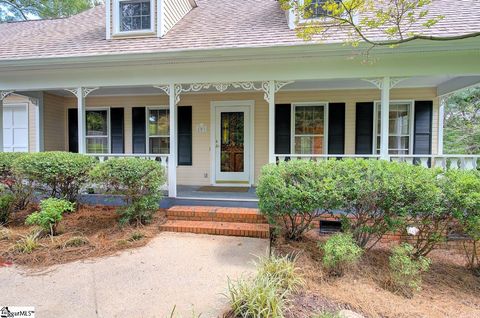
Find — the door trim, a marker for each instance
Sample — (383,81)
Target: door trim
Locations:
(213,105)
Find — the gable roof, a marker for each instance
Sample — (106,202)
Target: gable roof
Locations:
(214,24)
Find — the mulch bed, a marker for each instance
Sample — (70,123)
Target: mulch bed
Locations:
(449,289)
(96,227)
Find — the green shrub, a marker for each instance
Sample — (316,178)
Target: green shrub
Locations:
(406,269)
(6,206)
(462,197)
(50,214)
(139,180)
(296,192)
(76,241)
(283,269)
(136,236)
(56,174)
(259,297)
(373,197)
(21,189)
(340,252)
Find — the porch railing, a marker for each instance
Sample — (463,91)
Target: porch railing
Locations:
(462,162)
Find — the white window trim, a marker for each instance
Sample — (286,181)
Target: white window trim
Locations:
(411,123)
(116,20)
(147,135)
(325,125)
(109,127)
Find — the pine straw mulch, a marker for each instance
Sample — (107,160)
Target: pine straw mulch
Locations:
(449,289)
(96,227)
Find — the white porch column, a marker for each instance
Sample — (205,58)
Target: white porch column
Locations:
(271,121)
(441,119)
(172,159)
(3,95)
(81,120)
(384,115)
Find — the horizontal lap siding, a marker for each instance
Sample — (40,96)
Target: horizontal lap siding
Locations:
(55,122)
(174,11)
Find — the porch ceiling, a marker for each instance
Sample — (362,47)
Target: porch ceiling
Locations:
(442,83)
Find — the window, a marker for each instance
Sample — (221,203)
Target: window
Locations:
(309,129)
(97,131)
(134,16)
(158,131)
(399,128)
(316,9)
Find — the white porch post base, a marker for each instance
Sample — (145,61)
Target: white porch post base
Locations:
(385,110)
(172,159)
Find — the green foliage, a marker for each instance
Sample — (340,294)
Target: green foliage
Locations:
(6,205)
(406,269)
(76,241)
(56,174)
(340,252)
(462,197)
(296,192)
(373,197)
(136,236)
(21,189)
(28,243)
(257,298)
(50,214)
(139,180)
(282,269)
(19,10)
(326,315)
(397,21)
(462,122)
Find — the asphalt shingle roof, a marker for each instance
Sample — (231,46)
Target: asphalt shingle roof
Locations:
(214,24)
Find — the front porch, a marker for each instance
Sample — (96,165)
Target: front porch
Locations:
(214,135)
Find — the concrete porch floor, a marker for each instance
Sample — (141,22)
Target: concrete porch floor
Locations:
(193,192)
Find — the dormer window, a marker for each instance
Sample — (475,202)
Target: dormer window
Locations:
(316,9)
(134,16)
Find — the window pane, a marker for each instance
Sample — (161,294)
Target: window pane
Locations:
(309,120)
(97,123)
(311,145)
(134,15)
(97,145)
(398,127)
(159,145)
(158,122)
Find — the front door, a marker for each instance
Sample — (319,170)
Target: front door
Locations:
(232,145)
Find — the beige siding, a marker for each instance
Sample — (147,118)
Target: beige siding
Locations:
(200,171)
(17,99)
(55,122)
(174,11)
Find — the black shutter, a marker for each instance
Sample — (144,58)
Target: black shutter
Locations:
(364,129)
(184,132)
(139,130)
(282,128)
(72,130)
(336,128)
(422,139)
(117,130)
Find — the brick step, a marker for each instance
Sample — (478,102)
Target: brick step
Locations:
(215,214)
(217,228)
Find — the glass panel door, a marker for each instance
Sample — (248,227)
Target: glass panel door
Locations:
(232,144)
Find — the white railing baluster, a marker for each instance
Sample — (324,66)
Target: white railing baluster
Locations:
(424,162)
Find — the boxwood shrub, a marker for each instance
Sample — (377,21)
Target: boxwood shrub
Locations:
(56,174)
(139,180)
(20,190)
(296,192)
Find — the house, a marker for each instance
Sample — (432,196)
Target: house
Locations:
(216,89)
